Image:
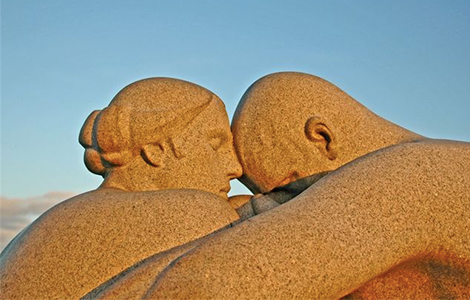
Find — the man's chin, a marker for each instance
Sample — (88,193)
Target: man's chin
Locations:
(254,187)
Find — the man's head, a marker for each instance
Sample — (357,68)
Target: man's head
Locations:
(292,125)
(162,133)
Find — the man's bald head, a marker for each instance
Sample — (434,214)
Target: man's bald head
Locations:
(292,125)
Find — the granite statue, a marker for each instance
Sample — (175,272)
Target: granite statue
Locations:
(164,149)
(346,205)
(378,212)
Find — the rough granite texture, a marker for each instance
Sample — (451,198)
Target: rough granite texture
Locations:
(391,219)
(401,212)
(378,212)
(381,227)
(164,148)
(289,126)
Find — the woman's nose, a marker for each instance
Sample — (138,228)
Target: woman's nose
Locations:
(234,167)
(237,170)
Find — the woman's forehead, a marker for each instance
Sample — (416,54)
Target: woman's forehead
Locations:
(212,121)
(215,111)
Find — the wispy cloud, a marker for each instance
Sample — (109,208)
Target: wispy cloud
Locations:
(17,213)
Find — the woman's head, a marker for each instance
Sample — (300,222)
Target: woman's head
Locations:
(144,139)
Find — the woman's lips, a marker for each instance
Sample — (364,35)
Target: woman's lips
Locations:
(225,189)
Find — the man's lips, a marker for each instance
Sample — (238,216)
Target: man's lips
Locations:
(293,176)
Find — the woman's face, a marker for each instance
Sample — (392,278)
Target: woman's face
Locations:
(207,158)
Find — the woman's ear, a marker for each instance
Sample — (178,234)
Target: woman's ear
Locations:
(176,147)
(153,154)
(317,131)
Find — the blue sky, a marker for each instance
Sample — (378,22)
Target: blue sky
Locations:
(408,61)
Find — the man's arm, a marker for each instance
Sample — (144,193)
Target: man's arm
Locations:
(350,227)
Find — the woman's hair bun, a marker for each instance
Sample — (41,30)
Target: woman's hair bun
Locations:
(92,157)
(93,162)
(86,133)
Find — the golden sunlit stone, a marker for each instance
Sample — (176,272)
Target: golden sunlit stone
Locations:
(349,205)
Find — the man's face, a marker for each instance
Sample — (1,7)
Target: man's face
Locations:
(208,161)
(271,136)
(273,166)
(273,147)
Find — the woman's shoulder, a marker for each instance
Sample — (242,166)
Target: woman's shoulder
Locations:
(93,236)
(123,214)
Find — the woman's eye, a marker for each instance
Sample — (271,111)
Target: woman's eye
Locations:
(216,143)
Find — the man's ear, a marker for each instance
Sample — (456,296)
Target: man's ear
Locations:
(153,154)
(322,136)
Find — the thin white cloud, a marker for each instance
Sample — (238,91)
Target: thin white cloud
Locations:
(17,213)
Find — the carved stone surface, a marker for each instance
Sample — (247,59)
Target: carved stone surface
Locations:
(362,228)
(164,148)
(353,205)
(162,133)
(389,224)
(292,125)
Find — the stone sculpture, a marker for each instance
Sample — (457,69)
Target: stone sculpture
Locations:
(402,237)
(352,205)
(389,219)
(164,148)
